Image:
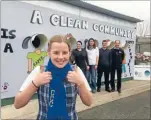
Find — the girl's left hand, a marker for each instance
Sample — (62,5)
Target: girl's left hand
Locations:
(75,76)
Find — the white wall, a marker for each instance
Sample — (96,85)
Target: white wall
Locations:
(64,7)
(17,15)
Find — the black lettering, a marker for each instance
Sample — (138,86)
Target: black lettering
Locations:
(38,61)
(41,58)
(12,35)
(8,47)
(34,64)
(3,35)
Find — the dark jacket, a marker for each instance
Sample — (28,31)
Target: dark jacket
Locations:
(81,58)
(117,57)
(104,58)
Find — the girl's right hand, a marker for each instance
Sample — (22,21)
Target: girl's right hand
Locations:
(42,78)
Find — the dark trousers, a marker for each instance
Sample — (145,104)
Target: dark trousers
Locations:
(84,71)
(106,71)
(119,72)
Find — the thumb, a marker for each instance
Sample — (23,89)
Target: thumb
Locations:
(75,68)
(42,68)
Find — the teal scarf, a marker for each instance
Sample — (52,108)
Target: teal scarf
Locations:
(57,96)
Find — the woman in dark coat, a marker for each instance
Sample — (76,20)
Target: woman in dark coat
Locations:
(80,57)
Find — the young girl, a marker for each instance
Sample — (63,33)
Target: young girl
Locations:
(57,88)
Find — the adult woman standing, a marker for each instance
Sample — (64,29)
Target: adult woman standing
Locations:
(80,57)
(93,56)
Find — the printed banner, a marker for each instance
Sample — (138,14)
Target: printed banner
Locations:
(142,72)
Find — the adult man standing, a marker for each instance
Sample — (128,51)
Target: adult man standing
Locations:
(117,58)
(104,65)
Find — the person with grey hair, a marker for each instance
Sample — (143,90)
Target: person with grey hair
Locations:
(117,57)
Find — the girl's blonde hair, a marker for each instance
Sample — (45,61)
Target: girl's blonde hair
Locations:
(58,39)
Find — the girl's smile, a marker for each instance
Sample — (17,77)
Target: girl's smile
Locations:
(59,54)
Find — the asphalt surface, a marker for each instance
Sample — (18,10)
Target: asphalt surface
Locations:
(133,107)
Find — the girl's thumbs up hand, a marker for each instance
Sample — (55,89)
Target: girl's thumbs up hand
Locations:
(75,76)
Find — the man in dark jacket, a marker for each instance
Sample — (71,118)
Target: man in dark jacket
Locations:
(104,65)
(117,58)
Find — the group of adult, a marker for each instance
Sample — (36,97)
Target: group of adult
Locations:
(95,61)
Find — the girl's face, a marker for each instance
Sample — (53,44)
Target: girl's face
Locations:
(59,54)
(91,42)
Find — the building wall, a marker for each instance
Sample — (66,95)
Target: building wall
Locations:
(17,25)
(64,7)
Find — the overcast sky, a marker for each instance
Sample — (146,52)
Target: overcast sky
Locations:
(137,9)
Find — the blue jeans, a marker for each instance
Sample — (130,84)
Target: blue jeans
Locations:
(91,77)
(123,68)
